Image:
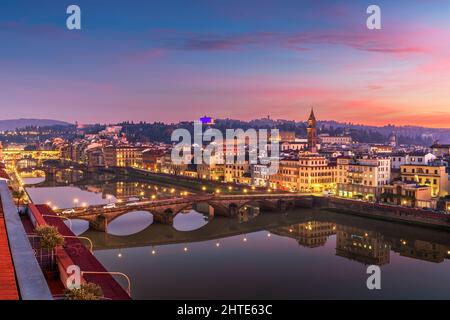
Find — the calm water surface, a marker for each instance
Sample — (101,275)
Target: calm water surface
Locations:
(299,255)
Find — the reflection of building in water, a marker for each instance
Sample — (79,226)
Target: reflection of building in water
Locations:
(311,234)
(121,190)
(68,176)
(127,190)
(93,189)
(363,246)
(421,250)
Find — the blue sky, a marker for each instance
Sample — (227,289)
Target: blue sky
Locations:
(178,60)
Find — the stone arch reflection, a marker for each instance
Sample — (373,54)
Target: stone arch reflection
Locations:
(130,223)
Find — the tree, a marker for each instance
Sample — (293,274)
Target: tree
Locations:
(50,238)
(87,291)
(19,195)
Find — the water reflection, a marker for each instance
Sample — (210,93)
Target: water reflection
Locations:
(130,223)
(96,188)
(33,181)
(319,250)
(78,227)
(189,220)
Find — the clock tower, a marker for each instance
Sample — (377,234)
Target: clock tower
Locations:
(312,133)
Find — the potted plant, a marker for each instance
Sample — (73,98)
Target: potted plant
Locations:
(19,195)
(50,239)
(87,291)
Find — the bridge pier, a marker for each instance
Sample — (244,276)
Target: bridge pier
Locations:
(163,218)
(99,223)
(282,206)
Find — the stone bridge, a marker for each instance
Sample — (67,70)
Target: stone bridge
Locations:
(164,211)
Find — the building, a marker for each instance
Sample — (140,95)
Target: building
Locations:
(312,132)
(95,158)
(74,151)
(170,167)
(287,136)
(238,173)
(123,156)
(151,159)
(376,149)
(362,178)
(213,171)
(416,158)
(440,150)
(307,173)
(326,139)
(434,176)
(408,194)
(299,145)
(260,175)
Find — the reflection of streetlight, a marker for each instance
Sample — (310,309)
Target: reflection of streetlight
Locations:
(217,244)
(185,249)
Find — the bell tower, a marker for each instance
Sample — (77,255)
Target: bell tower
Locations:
(312,132)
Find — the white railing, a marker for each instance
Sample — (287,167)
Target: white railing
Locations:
(112,274)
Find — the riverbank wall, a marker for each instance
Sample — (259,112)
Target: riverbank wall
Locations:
(384,212)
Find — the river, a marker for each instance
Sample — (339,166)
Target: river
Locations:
(299,255)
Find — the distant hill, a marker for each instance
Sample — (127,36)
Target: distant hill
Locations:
(22,123)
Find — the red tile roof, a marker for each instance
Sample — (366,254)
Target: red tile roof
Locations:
(8,286)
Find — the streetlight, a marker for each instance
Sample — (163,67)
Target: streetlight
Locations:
(75,201)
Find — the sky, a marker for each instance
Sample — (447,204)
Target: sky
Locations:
(174,60)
